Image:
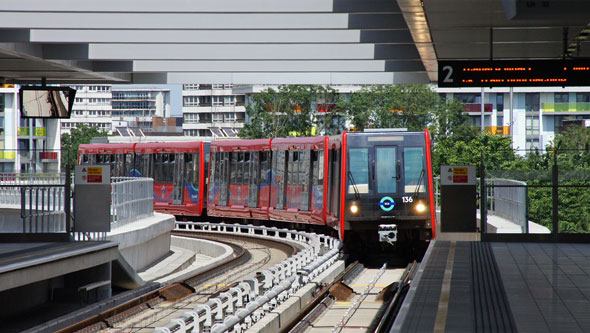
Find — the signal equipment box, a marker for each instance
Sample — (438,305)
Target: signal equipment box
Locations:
(458,198)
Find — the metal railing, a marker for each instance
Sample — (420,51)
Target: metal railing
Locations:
(507,198)
(248,302)
(42,200)
(132,199)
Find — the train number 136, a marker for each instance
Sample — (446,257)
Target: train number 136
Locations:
(407,199)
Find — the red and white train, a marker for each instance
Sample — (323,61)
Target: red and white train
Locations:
(352,185)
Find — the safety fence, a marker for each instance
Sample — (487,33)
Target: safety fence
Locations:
(505,198)
(45,202)
(132,199)
(242,306)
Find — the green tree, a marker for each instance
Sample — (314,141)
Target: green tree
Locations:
(451,123)
(495,151)
(70,142)
(290,111)
(392,106)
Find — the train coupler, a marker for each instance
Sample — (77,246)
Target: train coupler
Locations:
(388,233)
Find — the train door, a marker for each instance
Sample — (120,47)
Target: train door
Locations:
(176,163)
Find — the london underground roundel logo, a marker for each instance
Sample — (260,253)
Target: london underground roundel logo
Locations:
(387,203)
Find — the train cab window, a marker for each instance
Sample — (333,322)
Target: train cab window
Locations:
(84,159)
(414,171)
(358,166)
(386,169)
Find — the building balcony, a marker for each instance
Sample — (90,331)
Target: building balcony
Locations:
(565,107)
(476,107)
(497,130)
(37,131)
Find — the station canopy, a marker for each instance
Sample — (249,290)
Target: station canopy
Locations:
(277,41)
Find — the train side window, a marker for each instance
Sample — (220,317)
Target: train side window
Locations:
(233,158)
(279,165)
(386,169)
(293,168)
(305,178)
(246,169)
(414,171)
(264,168)
(84,159)
(358,168)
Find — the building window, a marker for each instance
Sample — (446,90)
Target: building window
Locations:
(229,100)
(217,117)
(468,98)
(582,97)
(217,100)
(217,86)
(190,101)
(532,125)
(499,102)
(561,97)
(191,86)
(532,103)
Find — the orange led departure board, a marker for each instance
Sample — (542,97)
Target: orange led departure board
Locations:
(513,73)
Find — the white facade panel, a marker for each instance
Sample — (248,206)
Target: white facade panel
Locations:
(193,36)
(232,51)
(260,65)
(171,6)
(187,20)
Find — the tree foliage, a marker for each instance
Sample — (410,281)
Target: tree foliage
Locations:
(392,106)
(292,111)
(70,142)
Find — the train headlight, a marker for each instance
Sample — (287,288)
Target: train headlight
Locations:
(354,208)
(420,207)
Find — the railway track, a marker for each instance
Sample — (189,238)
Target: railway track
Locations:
(350,300)
(250,255)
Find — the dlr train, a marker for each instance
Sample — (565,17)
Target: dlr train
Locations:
(359,186)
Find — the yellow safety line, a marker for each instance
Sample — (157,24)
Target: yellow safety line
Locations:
(443,303)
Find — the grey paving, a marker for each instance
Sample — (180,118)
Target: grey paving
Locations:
(546,288)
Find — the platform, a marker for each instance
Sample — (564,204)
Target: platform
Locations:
(464,286)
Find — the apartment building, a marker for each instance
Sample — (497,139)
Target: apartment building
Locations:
(531,116)
(92,107)
(26,145)
(212,110)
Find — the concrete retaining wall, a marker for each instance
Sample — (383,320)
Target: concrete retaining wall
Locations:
(143,242)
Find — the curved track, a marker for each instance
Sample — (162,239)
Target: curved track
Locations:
(156,308)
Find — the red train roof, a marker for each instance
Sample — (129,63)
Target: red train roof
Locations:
(298,143)
(168,147)
(106,148)
(240,145)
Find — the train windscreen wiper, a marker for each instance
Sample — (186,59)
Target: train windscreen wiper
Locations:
(420,179)
(357,196)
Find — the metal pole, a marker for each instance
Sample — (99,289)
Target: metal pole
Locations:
(555,197)
(482,109)
(67,198)
(482,202)
(511,115)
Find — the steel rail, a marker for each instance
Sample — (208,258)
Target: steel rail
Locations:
(392,309)
(298,323)
(240,255)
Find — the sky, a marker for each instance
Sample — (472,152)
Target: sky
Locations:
(175,94)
